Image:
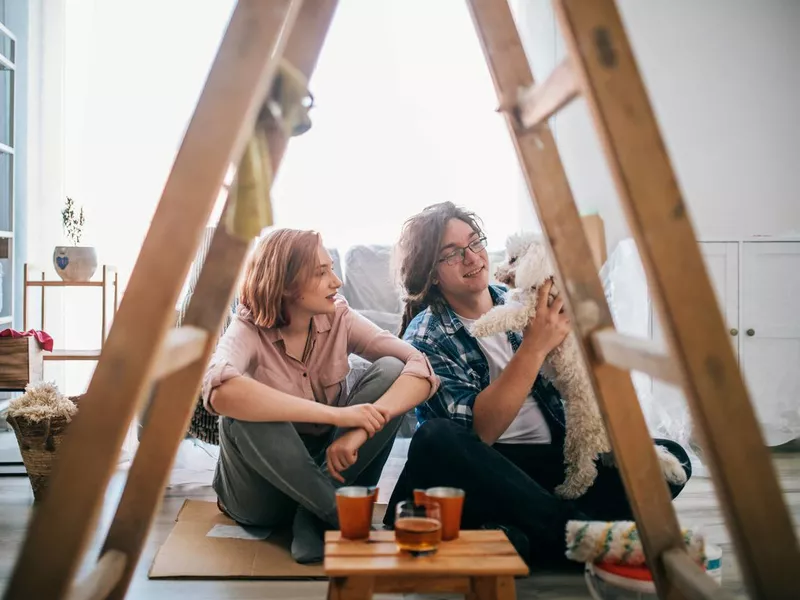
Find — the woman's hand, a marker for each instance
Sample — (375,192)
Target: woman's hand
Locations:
(343,452)
(548,328)
(368,417)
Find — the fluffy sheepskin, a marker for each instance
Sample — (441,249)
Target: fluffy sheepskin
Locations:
(41,401)
(527,266)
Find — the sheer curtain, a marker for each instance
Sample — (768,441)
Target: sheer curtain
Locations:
(404,117)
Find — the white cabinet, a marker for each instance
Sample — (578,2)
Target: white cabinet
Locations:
(769,344)
(757,284)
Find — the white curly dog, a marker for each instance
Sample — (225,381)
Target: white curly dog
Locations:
(527,266)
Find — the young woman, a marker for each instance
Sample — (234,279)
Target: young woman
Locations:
(289,430)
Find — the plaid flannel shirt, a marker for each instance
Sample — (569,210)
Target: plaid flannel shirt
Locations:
(463,370)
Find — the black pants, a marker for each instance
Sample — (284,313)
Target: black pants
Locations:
(512,485)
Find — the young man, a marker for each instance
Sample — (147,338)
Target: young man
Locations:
(495,427)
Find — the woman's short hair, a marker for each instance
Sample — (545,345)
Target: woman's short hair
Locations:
(279,267)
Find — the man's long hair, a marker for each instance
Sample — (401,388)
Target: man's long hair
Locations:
(418,254)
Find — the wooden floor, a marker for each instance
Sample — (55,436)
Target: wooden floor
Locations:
(697,506)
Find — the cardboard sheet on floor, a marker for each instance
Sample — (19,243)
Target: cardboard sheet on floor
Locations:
(205,544)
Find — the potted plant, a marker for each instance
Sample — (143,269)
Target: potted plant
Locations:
(75,262)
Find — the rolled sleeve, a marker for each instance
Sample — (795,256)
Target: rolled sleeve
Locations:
(370,342)
(233,357)
(217,374)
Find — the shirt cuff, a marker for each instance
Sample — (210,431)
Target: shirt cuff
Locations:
(418,366)
(216,375)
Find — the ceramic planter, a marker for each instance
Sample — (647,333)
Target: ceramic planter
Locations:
(75,263)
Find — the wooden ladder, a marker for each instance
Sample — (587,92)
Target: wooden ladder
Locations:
(144,352)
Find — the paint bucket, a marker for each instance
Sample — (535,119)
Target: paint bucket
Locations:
(622,582)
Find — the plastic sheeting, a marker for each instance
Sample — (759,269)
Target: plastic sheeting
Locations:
(667,414)
(665,407)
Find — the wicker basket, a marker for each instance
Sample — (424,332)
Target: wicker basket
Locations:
(38,444)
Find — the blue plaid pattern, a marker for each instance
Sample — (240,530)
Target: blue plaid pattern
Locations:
(463,370)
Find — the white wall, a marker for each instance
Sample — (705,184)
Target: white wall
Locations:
(724,82)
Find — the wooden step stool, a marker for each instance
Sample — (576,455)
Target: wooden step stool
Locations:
(479,564)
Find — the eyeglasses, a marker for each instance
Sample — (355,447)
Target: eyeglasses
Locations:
(458,254)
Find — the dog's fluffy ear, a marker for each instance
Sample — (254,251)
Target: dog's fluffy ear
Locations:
(534,267)
(518,243)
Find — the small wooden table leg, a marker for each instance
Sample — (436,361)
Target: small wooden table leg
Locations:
(493,588)
(350,588)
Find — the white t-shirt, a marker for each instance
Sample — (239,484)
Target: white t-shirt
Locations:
(529,426)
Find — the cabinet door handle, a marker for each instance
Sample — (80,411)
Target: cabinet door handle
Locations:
(751,332)
(734,332)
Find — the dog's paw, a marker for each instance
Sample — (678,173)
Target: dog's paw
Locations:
(579,477)
(671,467)
(569,491)
(501,318)
(484,327)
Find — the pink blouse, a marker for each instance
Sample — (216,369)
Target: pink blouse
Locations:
(259,353)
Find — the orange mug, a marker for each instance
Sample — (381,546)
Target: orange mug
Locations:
(451,501)
(355,505)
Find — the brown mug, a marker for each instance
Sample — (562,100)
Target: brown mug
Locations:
(451,501)
(354,505)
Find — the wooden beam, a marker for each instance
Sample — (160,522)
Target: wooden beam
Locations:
(634,354)
(690,579)
(696,335)
(221,125)
(183,346)
(102,579)
(537,103)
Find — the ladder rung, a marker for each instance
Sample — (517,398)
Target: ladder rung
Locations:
(102,579)
(183,346)
(539,102)
(690,579)
(634,354)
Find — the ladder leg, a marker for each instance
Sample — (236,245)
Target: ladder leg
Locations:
(176,395)
(739,461)
(223,121)
(548,185)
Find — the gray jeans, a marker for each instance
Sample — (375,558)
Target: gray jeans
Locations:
(266,469)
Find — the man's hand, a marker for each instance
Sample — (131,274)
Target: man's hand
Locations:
(368,417)
(548,328)
(343,452)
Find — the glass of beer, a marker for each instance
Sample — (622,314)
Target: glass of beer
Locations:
(418,527)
